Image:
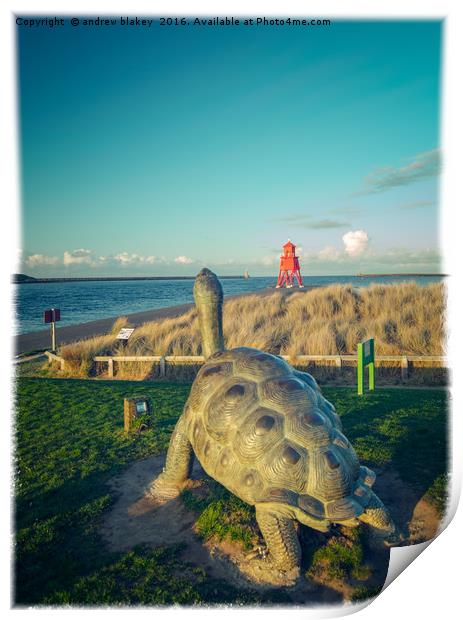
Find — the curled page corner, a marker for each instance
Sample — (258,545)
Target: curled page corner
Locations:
(401,557)
(328,611)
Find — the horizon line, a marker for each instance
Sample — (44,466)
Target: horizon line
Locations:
(43,279)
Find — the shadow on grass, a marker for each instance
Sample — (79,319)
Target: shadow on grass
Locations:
(63,560)
(57,537)
(215,527)
(403,436)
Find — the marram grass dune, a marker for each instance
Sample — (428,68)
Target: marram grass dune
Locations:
(402,318)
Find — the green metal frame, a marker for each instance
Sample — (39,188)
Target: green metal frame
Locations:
(366,357)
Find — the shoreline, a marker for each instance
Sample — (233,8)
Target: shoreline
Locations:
(40,340)
(31,280)
(24,279)
(32,342)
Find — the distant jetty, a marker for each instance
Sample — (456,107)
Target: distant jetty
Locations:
(20,278)
(395,275)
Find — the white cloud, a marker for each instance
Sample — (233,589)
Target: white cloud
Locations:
(124,258)
(418,203)
(78,257)
(330,253)
(302,220)
(356,242)
(404,258)
(422,166)
(86,257)
(39,260)
(183,260)
(268,261)
(396,260)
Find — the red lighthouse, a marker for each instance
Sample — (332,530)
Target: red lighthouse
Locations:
(289,267)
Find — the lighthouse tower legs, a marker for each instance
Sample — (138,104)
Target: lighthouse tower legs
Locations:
(297,273)
(286,278)
(281,279)
(289,267)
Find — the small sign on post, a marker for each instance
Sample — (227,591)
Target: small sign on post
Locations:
(124,335)
(366,357)
(51,316)
(136,413)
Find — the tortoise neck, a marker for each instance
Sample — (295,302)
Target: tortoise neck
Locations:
(208,296)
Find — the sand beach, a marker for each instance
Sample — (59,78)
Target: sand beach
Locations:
(40,340)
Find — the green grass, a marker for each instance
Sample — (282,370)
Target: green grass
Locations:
(142,576)
(363,593)
(342,557)
(222,515)
(399,427)
(437,494)
(69,442)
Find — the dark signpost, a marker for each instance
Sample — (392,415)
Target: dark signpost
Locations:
(366,357)
(51,316)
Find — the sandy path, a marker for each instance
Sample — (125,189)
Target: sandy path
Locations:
(136,518)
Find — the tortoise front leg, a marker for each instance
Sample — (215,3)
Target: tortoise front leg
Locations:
(280,536)
(377,516)
(179,463)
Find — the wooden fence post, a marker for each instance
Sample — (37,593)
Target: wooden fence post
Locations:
(162,367)
(110,368)
(404,368)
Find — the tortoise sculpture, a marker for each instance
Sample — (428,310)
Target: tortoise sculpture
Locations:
(264,431)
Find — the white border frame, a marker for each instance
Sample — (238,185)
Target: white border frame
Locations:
(432,586)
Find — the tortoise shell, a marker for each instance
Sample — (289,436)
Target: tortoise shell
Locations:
(266,433)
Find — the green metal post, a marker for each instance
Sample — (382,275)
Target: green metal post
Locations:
(360,369)
(371,368)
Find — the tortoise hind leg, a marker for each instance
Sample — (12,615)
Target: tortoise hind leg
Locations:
(179,463)
(283,546)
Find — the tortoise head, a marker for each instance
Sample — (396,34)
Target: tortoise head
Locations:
(208,296)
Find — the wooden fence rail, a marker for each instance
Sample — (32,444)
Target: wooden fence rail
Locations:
(401,360)
(55,358)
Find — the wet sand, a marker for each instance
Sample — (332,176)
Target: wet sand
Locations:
(41,340)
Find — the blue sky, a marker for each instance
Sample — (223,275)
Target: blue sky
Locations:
(160,150)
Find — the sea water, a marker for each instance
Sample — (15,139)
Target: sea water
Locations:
(80,302)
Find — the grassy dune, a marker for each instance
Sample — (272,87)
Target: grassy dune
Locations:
(403,319)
